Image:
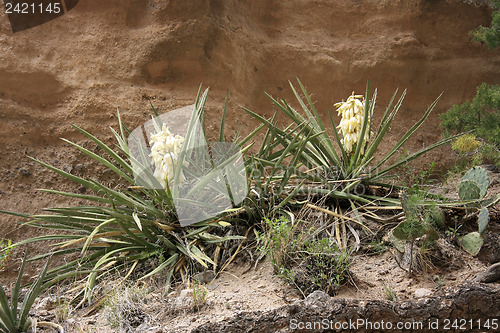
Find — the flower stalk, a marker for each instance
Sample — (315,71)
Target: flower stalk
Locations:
(165,151)
(352,112)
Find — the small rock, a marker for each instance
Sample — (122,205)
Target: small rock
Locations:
(185,298)
(422,292)
(204,277)
(47,303)
(368,267)
(79,168)
(212,286)
(255,277)
(25,172)
(186,293)
(261,286)
(492,274)
(317,296)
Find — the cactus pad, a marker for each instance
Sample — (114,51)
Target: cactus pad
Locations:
(472,242)
(480,176)
(482,220)
(469,190)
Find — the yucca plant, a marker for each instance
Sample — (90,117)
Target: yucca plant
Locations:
(267,174)
(12,318)
(334,165)
(121,228)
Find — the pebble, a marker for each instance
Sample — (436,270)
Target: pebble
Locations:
(186,293)
(422,292)
(205,277)
(48,303)
(212,286)
(25,172)
(79,168)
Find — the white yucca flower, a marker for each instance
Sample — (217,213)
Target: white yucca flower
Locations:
(352,112)
(165,150)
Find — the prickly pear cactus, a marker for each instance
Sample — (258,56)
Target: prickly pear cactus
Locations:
(480,176)
(469,190)
(472,242)
(482,220)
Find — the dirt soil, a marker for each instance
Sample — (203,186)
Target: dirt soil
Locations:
(107,55)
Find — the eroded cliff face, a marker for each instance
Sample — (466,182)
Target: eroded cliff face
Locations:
(104,55)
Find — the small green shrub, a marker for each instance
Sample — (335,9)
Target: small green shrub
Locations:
(302,260)
(467,144)
(481,115)
(63,309)
(390,293)
(420,217)
(490,35)
(377,247)
(276,240)
(124,308)
(200,296)
(472,151)
(327,267)
(440,281)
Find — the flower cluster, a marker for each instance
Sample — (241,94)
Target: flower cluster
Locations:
(165,150)
(352,112)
